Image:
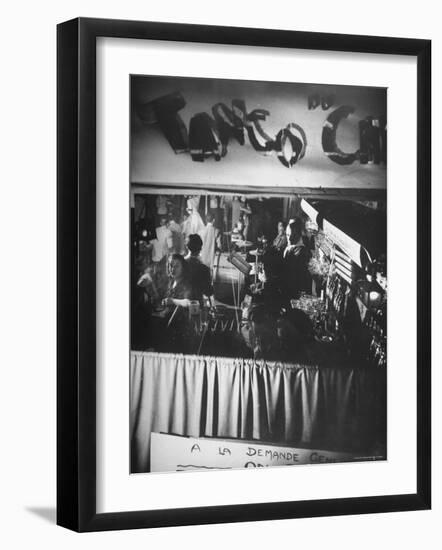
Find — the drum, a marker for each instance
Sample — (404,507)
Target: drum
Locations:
(226,272)
(244,244)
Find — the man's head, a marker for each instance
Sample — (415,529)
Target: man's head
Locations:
(194,244)
(294,231)
(209,218)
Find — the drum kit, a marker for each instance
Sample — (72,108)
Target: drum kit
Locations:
(240,243)
(245,246)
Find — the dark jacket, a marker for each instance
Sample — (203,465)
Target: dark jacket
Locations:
(200,278)
(296,275)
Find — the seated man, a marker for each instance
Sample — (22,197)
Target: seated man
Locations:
(199,274)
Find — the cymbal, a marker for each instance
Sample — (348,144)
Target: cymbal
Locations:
(256,252)
(244,244)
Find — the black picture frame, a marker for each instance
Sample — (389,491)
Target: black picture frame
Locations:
(76,274)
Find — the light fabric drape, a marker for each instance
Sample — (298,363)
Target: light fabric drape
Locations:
(334,408)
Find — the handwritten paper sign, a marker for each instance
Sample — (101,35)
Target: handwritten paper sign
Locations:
(171,453)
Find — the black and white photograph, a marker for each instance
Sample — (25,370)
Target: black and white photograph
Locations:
(258,274)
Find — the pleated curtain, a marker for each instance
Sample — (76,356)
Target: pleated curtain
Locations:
(309,406)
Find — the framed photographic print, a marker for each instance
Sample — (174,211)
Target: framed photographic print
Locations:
(228,199)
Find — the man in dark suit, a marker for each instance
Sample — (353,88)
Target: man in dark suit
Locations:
(296,257)
(199,274)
